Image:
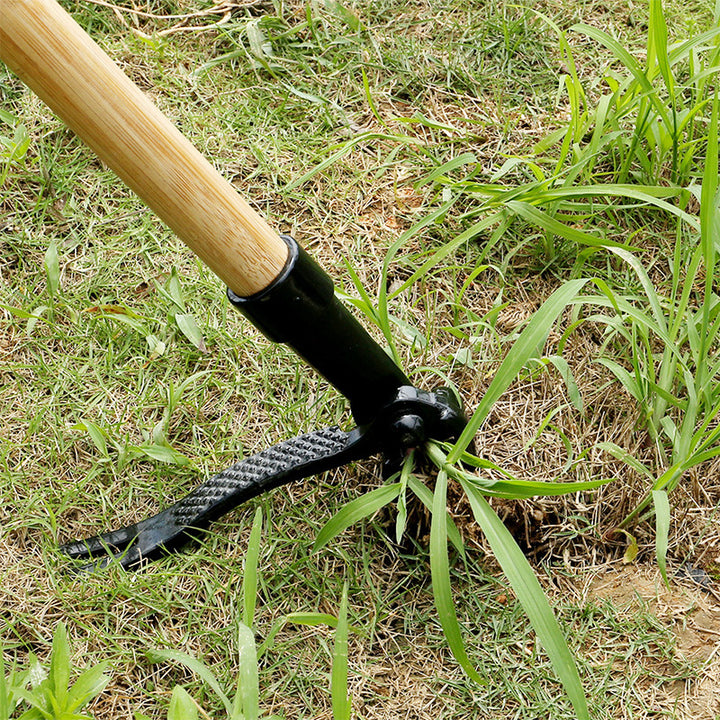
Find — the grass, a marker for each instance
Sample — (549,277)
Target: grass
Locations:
(469,159)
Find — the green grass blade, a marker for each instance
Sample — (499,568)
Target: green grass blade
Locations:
(573,391)
(52,268)
(625,378)
(195,666)
(512,488)
(314,619)
(525,347)
(401,517)
(653,299)
(662,530)
(370,100)
(646,194)
(519,489)
(182,706)
(709,212)
(531,597)
(682,51)
(425,496)
(344,150)
(621,454)
(383,315)
(5,692)
(540,218)
(630,63)
(36,702)
(59,674)
(356,510)
(250,576)
(248,692)
(90,683)
(440,572)
(190,329)
(626,310)
(341,703)
(457,162)
(658,41)
(311,619)
(447,249)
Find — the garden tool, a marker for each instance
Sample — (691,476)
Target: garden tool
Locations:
(270,279)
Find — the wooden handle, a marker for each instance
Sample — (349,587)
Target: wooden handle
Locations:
(54,56)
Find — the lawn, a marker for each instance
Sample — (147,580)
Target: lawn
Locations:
(518,201)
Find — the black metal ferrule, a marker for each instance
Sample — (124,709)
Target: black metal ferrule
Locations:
(299,309)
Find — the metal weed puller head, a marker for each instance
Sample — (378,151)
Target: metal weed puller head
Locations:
(272,281)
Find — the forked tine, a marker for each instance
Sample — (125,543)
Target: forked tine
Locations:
(128,559)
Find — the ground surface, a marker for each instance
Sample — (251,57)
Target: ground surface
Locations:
(99,379)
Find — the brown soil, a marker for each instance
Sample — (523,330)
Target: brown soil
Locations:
(692,613)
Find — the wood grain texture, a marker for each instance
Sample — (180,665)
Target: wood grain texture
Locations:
(54,56)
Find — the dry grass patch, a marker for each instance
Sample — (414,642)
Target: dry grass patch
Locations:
(693,615)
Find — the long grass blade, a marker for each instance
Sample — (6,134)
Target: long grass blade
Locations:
(248,690)
(525,347)
(345,149)
(311,619)
(647,194)
(440,572)
(354,511)
(250,576)
(341,702)
(5,693)
(709,211)
(512,487)
(426,498)
(531,597)
(652,296)
(456,162)
(662,530)
(622,454)
(630,63)
(90,683)
(59,675)
(658,41)
(447,249)
(540,218)
(523,489)
(197,667)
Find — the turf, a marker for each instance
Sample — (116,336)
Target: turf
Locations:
(329,119)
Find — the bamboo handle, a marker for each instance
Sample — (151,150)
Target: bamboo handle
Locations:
(54,56)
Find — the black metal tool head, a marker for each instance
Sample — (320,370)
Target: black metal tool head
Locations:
(300,309)
(406,422)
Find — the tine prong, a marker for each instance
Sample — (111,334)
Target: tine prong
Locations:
(106,544)
(129,559)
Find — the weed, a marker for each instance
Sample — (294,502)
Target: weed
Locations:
(246,704)
(50,694)
(677,388)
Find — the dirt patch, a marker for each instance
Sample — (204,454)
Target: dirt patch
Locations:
(692,613)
